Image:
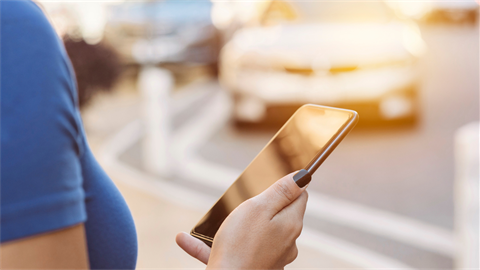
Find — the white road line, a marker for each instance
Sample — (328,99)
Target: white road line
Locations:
(324,244)
(202,126)
(378,222)
(119,143)
(184,98)
(357,255)
(189,138)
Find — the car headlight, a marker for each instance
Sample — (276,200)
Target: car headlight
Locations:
(396,106)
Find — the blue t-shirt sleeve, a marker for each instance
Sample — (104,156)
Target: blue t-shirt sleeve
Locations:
(41,142)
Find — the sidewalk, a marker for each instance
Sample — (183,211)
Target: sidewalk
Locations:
(157,221)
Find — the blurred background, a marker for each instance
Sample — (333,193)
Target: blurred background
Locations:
(178,97)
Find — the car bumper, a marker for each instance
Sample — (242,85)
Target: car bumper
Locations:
(380,95)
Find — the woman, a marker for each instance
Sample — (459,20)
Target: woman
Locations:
(58,207)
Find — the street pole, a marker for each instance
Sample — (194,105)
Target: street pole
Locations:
(155,85)
(466,197)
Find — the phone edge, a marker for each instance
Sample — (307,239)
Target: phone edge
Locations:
(207,240)
(338,137)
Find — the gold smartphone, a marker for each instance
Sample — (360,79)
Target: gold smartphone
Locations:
(304,142)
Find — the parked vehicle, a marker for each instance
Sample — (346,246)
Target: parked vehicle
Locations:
(355,55)
(457,12)
(437,11)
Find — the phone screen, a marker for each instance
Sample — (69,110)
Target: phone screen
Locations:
(298,142)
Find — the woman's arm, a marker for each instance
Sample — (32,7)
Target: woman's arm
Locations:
(61,249)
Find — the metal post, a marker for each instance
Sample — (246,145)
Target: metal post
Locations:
(467,196)
(155,86)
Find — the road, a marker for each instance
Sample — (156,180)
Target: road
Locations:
(404,172)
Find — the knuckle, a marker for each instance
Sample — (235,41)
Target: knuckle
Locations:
(298,226)
(283,190)
(249,203)
(293,253)
(295,229)
(253,203)
(298,230)
(197,251)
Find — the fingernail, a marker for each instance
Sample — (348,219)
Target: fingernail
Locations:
(302,178)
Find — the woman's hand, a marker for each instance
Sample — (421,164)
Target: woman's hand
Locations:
(259,234)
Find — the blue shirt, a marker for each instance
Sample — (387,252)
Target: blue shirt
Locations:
(49,178)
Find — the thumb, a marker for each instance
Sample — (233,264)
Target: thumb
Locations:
(281,194)
(193,246)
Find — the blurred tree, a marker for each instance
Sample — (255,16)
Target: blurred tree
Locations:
(96,66)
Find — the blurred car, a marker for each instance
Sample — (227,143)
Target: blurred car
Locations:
(460,12)
(165,31)
(451,12)
(351,55)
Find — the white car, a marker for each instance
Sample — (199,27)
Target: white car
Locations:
(365,65)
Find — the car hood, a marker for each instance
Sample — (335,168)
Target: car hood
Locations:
(320,46)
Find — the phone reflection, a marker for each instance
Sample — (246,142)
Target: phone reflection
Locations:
(304,136)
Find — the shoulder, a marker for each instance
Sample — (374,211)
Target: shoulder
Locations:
(21,10)
(38,85)
(27,33)
(22,14)
(26,30)
(34,59)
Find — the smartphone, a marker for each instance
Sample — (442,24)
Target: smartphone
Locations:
(304,142)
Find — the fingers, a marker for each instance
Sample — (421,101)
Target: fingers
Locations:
(292,254)
(296,210)
(193,246)
(281,193)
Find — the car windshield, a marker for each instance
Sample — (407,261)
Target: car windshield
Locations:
(319,11)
